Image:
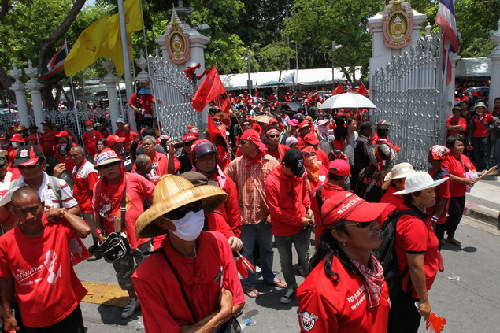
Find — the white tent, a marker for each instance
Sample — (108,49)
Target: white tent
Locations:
(311,76)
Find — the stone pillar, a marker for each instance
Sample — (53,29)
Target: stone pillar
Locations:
(36,97)
(111,80)
(381,54)
(18,88)
(495,67)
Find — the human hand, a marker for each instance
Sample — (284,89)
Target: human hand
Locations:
(171,147)
(235,243)
(424,308)
(101,238)
(469,181)
(10,324)
(306,221)
(59,169)
(53,214)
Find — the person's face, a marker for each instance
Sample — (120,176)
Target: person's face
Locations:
(63,140)
(31,171)
(111,171)
(187,146)
(119,126)
(206,163)
(3,170)
(89,127)
(273,137)
(294,145)
(248,148)
(117,147)
(352,126)
(303,131)
(426,199)
(480,110)
(126,128)
(286,170)
(76,157)
(399,184)
(144,169)
(246,126)
(496,104)
(100,145)
(368,132)
(148,146)
(29,210)
(458,148)
(310,159)
(456,113)
(360,236)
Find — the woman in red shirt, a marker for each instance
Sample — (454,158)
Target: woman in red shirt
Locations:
(480,137)
(346,291)
(458,164)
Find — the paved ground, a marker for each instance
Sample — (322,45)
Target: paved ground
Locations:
(466,294)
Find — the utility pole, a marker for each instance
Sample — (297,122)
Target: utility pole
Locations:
(334,47)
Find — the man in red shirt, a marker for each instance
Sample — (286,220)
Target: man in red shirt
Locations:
(274,148)
(62,150)
(36,267)
(107,202)
(115,143)
(129,136)
(456,124)
(90,138)
(480,137)
(142,102)
(119,127)
(161,164)
(84,179)
(291,215)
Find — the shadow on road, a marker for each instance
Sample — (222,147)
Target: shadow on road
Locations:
(111,315)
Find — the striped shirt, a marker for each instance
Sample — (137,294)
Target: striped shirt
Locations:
(249,179)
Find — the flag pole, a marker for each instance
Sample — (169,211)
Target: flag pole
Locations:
(126,62)
(75,110)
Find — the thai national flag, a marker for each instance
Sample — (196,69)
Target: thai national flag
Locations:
(445,18)
(56,64)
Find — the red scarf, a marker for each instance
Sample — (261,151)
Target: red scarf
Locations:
(256,159)
(374,279)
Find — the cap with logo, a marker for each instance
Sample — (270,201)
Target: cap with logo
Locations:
(294,160)
(339,167)
(253,136)
(107,157)
(112,139)
(28,155)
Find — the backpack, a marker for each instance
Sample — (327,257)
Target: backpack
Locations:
(56,187)
(386,253)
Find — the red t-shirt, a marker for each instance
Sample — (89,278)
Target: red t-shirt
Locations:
(416,236)
(481,125)
(45,284)
(442,192)
(84,179)
(145,101)
(452,121)
(202,277)
(278,153)
(458,167)
(90,139)
(390,197)
(326,306)
(48,141)
(66,159)
(159,167)
(107,202)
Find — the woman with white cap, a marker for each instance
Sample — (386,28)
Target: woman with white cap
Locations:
(395,181)
(418,256)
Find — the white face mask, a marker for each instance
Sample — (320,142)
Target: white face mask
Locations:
(15,144)
(189,227)
(90,129)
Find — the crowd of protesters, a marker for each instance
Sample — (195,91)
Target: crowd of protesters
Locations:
(187,208)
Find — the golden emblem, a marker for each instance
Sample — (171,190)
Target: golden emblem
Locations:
(177,42)
(397,24)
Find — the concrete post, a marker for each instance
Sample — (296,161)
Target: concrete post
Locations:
(495,68)
(36,97)
(18,88)
(111,80)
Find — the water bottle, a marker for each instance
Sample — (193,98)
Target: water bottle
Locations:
(248,322)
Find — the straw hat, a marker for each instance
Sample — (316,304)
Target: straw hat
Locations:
(173,192)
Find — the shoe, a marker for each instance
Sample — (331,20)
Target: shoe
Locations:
(96,255)
(133,304)
(288,296)
(94,258)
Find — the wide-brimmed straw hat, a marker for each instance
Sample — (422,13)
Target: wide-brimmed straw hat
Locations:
(173,192)
(418,181)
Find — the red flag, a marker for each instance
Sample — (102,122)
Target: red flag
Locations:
(362,89)
(212,129)
(226,105)
(209,90)
(338,90)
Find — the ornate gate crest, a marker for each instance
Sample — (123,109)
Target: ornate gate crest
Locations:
(397,24)
(177,42)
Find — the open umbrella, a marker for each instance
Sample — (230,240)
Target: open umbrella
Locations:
(347,101)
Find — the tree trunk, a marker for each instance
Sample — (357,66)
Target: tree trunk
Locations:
(47,97)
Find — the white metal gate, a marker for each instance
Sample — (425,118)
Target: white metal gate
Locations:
(175,91)
(409,93)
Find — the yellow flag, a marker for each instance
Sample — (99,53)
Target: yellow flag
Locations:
(85,51)
(133,15)
(113,47)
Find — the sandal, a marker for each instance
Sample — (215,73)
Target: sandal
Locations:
(453,241)
(252,293)
(278,283)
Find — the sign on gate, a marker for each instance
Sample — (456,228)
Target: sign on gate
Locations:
(409,93)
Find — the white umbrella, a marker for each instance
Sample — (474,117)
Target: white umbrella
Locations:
(348,101)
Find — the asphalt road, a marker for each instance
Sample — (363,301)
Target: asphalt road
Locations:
(466,293)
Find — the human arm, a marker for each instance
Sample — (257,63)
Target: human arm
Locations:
(232,206)
(7,294)
(59,169)
(81,228)
(417,276)
(276,212)
(171,159)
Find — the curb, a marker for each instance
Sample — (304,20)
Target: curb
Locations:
(483,213)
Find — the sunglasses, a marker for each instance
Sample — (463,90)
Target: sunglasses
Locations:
(180,212)
(27,166)
(273,136)
(110,165)
(360,225)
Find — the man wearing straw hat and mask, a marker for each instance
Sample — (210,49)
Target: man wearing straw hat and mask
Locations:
(190,283)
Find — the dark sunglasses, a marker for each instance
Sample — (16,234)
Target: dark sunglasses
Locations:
(180,212)
(110,165)
(360,225)
(27,166)
(273,136)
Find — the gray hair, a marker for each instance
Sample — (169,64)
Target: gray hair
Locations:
(142,160)
(149,137)
(78,149)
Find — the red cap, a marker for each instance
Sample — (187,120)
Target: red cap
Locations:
(311,139)
(439,152)
(63,134)
(345,205)
(339,167)
(308,149)
(273,121)
(272,129)
(18,137)
(304,124)
(89,122)
(189,137)
(27,155)
(252,135)
(112,139)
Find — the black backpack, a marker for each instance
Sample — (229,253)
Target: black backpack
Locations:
(387,255)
